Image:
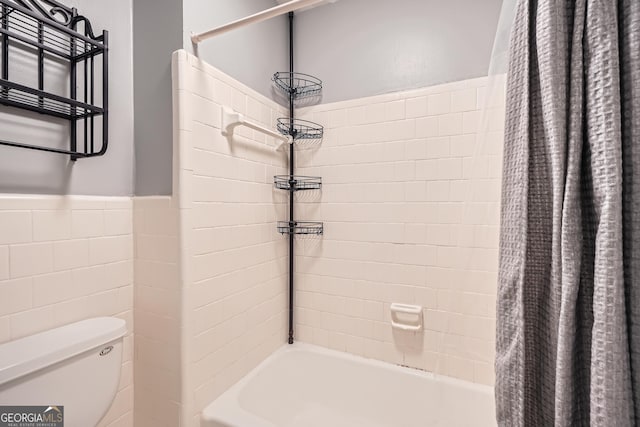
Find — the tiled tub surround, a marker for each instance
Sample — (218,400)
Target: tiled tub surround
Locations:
(210,268)
(233,263)
(410,202)
(64,259)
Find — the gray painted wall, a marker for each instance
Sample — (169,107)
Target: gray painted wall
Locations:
(366,47)
(249,54)
(157,34)
(28,171)
(358,48)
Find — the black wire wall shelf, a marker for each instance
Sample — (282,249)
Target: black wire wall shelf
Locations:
(52,34)
(299,85)
(19,96)
(301,227)
(300,129)
(297,182)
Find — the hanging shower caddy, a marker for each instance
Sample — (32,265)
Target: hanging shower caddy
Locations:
(54,35)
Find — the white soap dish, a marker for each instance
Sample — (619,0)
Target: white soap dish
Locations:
(406,317)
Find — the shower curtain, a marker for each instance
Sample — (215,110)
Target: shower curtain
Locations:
(568,326)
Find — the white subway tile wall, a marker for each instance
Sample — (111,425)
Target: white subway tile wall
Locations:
(157,312)
(65,259)
(410,204)
(234,263)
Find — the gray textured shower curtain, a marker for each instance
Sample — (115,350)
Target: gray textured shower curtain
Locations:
(568,338)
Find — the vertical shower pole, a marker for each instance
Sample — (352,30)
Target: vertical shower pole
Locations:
(291,179)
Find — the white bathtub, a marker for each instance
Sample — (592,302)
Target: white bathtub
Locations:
(307,386)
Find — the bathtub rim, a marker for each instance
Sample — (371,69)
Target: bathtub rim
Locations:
(234,412)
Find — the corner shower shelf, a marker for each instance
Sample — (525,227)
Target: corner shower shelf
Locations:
(49,32)
(300,227)
(300,129)
(297,183)
(299,85)
(307,89)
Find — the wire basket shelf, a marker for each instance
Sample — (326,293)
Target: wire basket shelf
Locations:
(297,182)
(20,96)
(301,227)
(299,85)
(300,129)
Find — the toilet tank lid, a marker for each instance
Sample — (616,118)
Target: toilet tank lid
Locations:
(26,355)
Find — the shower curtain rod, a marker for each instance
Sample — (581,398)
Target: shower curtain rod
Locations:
(291,6)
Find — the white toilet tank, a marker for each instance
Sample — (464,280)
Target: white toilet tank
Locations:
(76,366)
